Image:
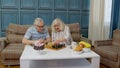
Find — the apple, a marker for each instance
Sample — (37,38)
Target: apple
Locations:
(82,45)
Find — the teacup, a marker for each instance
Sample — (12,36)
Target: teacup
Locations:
(73,44)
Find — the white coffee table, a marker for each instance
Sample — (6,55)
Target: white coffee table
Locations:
(64,58)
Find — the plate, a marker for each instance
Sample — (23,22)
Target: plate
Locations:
(78,52)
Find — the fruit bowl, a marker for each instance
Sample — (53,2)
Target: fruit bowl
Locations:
(86,49)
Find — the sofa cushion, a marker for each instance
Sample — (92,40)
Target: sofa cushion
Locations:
(75,31)
(74,27)
(110,52)
(17,29)
(14,38)
(12,51)
(76,37)
(116,37)
(49,29)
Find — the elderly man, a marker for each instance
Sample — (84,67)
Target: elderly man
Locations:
(36,33)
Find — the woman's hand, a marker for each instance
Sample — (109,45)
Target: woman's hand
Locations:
(56,42)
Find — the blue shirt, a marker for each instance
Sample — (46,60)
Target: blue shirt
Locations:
(33,34)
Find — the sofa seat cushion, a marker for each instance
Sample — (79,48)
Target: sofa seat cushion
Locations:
(110,52)
(12,51)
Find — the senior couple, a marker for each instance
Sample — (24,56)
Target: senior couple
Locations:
(39,33)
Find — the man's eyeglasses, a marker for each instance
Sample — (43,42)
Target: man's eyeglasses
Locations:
(40,26)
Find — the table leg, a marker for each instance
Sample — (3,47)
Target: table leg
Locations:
(24,64)
(95,62)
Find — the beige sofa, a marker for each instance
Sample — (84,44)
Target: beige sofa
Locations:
(12,46)
(109,50)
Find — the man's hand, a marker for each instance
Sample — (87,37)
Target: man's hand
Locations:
(38,42)
(41,41)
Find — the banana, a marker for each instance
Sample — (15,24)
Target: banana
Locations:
(86,45)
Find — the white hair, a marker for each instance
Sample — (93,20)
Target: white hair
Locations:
(58,21)
(38,21)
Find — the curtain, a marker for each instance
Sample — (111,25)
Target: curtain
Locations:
(115,16)
(99,25)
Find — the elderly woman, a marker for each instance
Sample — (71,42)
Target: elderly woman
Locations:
(60,32)
(36,33)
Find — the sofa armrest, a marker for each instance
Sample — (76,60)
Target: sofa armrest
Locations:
(3,42)
(102,43)
(85,39)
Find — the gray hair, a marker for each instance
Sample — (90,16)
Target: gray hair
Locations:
(38,20)
(58,21)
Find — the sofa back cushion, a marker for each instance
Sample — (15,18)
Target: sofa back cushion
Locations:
(17,29)
(75,31)
(15,32)
(49,30)
(116,37)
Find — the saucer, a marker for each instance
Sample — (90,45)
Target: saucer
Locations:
(78,52)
